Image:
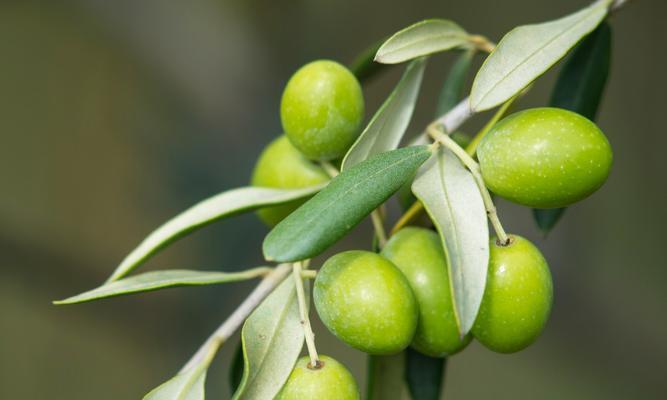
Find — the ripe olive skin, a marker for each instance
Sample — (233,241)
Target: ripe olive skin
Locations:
(517,298)
(418,253)
(544,158)
(330,381)
(322,109)
(365,301)
(282,166)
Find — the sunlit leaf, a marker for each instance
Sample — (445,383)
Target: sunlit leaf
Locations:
(386,128)
(527,52)
(188,385)
(424,375)
(272,341)
(339,207)
(156,280)
(225,204)
(421,39)
(453,201)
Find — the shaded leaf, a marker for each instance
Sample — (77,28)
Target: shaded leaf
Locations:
(272,339)
(527,52)
(339,207)
(453,201)
(421,39)
(364,66)
(156,280)
(236,369)
(386,377)
(452,89)
(386,128)
(225,204)
(579,88)
(424,375)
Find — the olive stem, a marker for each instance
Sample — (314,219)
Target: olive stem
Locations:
(308,274)
(236,319)
(410,215)
(471,148)
(329,168)
(482,43)
(378,226)
(303,311)
(435,131)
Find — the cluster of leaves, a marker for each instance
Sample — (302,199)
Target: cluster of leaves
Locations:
(371,172)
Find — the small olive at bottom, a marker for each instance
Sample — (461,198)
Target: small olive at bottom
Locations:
(330,380)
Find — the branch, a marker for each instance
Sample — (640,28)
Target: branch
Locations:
(239,315)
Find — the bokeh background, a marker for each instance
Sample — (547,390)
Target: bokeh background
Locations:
(114,116)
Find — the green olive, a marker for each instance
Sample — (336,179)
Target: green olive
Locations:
(418,253)
(365,301)
(282,166)
(322,109)
(330,380)
(545,158)
(517,298)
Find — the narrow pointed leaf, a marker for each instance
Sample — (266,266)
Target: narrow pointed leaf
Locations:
(386,377)
(225,204)
(188,385)
(364,66)
(424,375)
(389,123)
(579,88)
(236,369)
(421,39)
(453,201)
(452,89)
(156,280)
(272,340)
(339,207)
(527,52)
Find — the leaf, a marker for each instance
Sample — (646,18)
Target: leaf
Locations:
(424,375)
(527,52)
(579,88)
(156,280)
(454,203)
(421,39)
(386,377)
(225,204)
(452,89)
(364,66)
(188,385)
(272,340)
(236,369)
(339,207)
(389,123)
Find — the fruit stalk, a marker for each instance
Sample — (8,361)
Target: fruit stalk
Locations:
(236,319)
(435,131)
(303,311)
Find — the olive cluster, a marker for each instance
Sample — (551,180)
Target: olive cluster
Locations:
(383,303)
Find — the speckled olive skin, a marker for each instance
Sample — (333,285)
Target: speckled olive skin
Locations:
(418,253)
(332,381)
(517,299)
(365,301)
(322,109)
(544,158)
(282,166)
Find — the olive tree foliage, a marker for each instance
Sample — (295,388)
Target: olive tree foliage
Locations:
(445,179)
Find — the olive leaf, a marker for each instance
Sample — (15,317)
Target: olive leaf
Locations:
(386,128)
(527,52)
(453,201)
(386,377)
(339,207)
(187,385)
(364,66)
(222,205)
(156,280)
(452,89)
(272,339)
(579,88)
(421,39)
(424,375)
(236,369)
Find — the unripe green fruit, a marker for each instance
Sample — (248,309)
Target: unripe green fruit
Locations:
(418,253)
(322,109)
(282,166)
(330,381)
(544,158)
(517,298)
(365,301)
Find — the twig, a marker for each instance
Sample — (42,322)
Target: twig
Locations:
(305,320)
(239,315)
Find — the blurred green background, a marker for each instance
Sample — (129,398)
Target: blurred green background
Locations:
(114,116)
